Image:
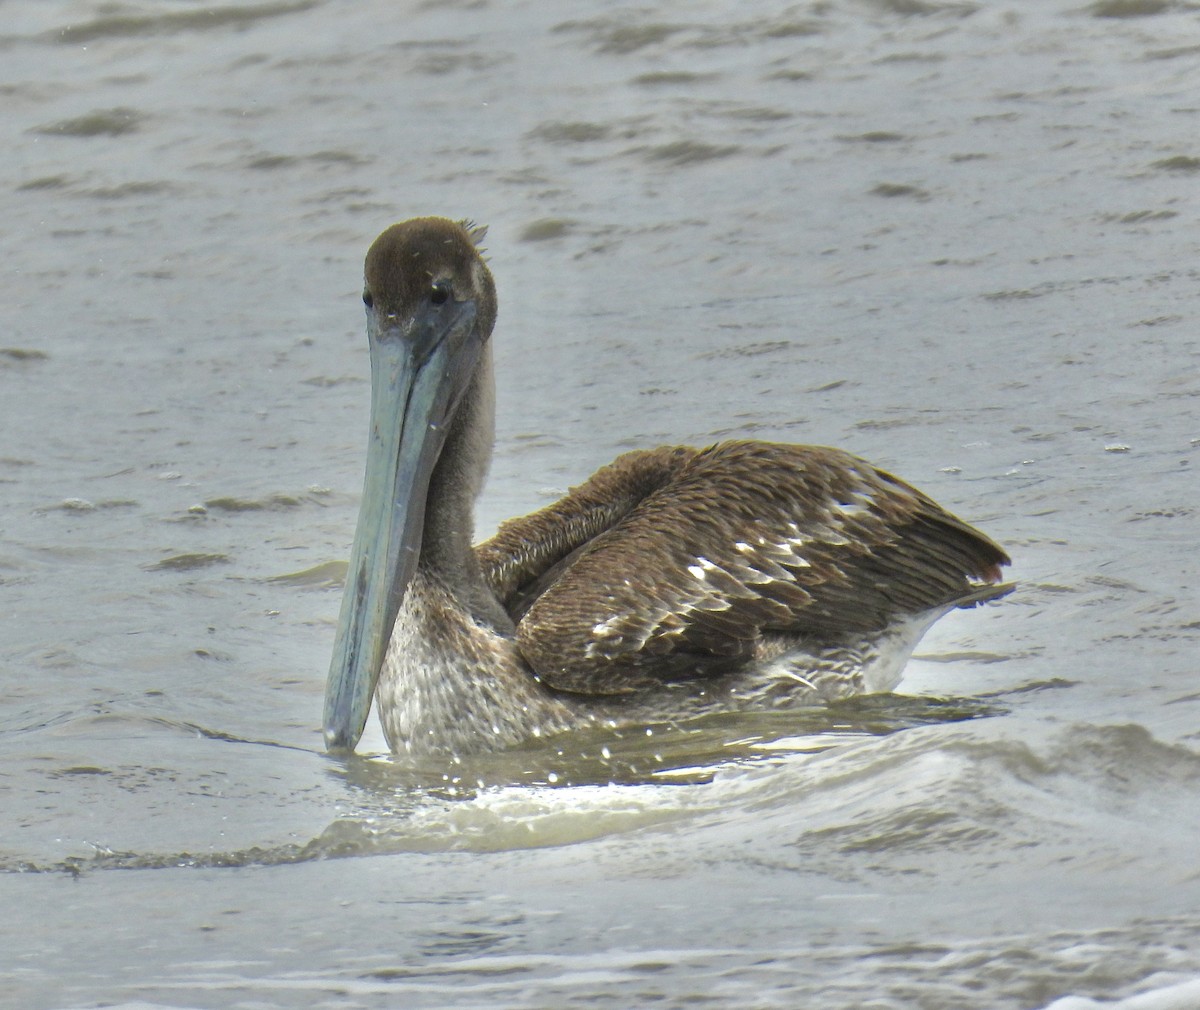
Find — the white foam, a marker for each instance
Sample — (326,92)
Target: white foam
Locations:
(1179,996)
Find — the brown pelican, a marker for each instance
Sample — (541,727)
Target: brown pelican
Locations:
(673,581)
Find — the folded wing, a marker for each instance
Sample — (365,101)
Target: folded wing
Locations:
(675,562)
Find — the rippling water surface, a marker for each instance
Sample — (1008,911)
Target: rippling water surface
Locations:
(956,238)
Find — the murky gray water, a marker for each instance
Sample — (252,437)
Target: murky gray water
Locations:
(956,238)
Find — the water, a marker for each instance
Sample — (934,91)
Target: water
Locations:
(956,238)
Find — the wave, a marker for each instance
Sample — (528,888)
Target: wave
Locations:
(934,800)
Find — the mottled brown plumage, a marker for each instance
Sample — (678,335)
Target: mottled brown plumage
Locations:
(675,562)
(674,580)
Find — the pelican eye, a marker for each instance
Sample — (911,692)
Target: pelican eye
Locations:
(368,299)
(439,294)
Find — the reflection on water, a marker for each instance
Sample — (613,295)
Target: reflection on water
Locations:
(685,752)
(401,805)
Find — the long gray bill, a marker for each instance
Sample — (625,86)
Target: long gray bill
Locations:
(417,379)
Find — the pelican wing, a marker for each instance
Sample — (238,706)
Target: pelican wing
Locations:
(529,552)
(675,562)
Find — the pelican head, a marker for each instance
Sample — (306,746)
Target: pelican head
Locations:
(431,306)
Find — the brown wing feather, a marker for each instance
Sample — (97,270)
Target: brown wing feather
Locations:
(674,562)
(519,560)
